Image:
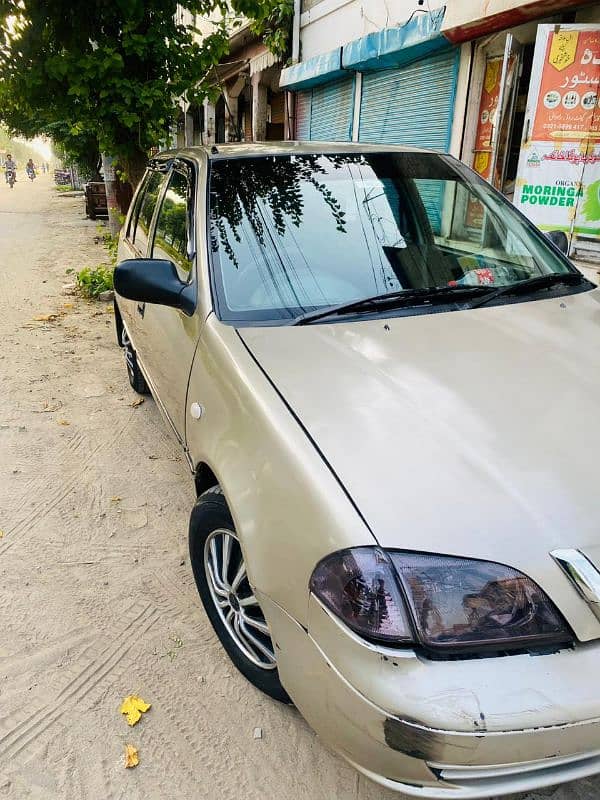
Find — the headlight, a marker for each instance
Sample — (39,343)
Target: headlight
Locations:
(360,587)
(450,603)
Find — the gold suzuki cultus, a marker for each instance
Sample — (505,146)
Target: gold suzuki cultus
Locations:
(387,386)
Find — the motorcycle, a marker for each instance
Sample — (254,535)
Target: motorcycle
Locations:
(11,177)
(31,174)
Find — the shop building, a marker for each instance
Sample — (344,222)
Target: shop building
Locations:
(509,87)
(250,106)
(398,82)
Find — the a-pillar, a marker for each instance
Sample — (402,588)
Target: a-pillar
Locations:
(259,109)
(208,137)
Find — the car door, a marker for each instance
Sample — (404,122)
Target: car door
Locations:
(167,337)
(136,240)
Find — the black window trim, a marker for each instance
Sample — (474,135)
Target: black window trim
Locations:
(134,210)
(188,169)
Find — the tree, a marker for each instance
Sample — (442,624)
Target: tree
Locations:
(106,75)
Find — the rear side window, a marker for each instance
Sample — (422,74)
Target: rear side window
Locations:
(172,234)
(147,204)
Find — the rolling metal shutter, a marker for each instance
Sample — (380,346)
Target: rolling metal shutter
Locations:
(303,114)
(325,112)
(411,105)
(332,110)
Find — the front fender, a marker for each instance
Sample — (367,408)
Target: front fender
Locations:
(289,508)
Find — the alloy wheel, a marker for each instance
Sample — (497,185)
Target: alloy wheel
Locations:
(128,350)
(234,600)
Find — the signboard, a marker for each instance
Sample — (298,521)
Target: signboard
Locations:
(558,185)
(492,134)
(569,88)
(488,109)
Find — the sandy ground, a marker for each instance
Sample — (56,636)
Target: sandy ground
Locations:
(96,595)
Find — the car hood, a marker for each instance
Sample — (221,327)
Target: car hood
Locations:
(472,433)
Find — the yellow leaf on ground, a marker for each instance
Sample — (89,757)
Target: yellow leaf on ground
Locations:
(45,317)
(63,422)
(137,402)
(1,534)
(115,499)
(131,756)
(134,707)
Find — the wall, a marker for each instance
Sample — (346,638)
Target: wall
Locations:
(327,24)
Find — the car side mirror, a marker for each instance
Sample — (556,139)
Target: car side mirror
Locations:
(153,280)
(559,239)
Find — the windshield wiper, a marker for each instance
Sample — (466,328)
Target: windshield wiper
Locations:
(404,297)
(532,285)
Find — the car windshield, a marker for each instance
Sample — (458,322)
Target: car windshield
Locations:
(291,234)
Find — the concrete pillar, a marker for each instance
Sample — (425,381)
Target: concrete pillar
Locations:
(188,130)
(209,122)
(259,109)
(231,119)
(231,97)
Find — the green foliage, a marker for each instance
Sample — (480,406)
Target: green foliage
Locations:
(270,20)
(63,188)
(92,281)
(103,76)
(110,242)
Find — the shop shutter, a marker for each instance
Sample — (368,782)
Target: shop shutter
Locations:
(331,111)
(303,114)
(278,108)
(413,105)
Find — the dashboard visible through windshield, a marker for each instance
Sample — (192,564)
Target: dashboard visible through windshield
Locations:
(291,234)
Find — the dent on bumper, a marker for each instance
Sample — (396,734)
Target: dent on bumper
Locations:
(412,728)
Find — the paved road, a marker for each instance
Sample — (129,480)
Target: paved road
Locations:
(96,595)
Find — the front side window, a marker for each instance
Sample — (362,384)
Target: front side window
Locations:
(291,234)
(135,206)
(171,236)
(146,210)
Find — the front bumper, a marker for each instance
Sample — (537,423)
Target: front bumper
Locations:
(465,729)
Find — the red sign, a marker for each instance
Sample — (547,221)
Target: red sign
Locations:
(566,108)
(488,110)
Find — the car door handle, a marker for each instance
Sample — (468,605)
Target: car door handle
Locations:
(141,309)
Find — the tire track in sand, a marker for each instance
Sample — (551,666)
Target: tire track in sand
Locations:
(65,486)
(141,617)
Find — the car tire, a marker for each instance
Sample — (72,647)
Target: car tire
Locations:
(134,373)
(217,562)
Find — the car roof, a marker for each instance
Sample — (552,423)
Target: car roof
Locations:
(254,149)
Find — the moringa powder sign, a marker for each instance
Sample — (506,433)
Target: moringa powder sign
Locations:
(558,184)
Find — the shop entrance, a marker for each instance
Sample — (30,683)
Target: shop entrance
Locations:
(494,124)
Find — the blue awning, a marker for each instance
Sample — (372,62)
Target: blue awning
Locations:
(395,47)
(319,69)
(392,47)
